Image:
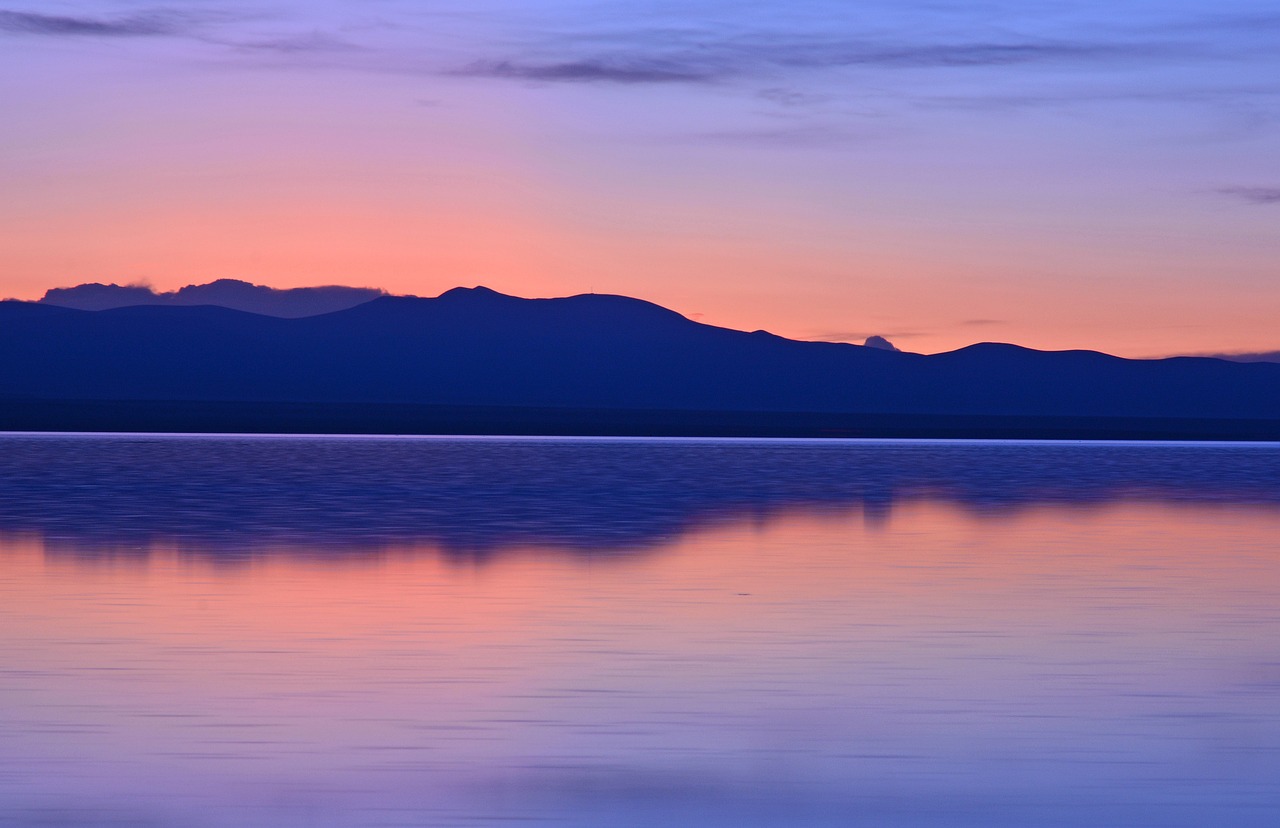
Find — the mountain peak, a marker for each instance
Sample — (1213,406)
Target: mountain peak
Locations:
(477,292)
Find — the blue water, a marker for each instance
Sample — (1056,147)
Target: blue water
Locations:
(226,631)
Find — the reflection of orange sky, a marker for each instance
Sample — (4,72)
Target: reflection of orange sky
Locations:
(1022,566)
(828,633)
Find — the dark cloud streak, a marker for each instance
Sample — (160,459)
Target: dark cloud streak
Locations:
(1255,356)
(587,71)
(787,97)
(309,43)
(1253,195)
(142,25)
(805,136)
(702,62)
(956,54)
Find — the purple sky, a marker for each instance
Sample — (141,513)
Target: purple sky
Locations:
(1058,174)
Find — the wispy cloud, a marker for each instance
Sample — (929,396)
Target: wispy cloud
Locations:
(650,60)
(1255,23)
(956,54)
(308,43)
(1255,356)
(1239,95)
(1253,195)
(139,25)
(588,71)
(858,337)
(789,97)
(800,136)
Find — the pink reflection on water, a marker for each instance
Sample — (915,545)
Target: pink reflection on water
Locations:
(1054,665)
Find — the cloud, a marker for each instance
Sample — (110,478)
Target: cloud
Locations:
(865,335)
(879,343)
(803,136)
(141,25)
(858,337)
(1264,356)
(785,96)
(647,59)
(1255,23)
(955,54)
(226,293)
(589,71)
(1253,195)
(310,42)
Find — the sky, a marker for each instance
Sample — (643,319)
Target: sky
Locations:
(1057,174)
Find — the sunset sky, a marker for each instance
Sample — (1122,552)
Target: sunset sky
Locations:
(1057,174)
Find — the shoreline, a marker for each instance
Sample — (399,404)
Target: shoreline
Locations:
(388,419)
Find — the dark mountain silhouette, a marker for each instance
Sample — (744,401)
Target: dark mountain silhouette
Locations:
(477,360)
(224,293)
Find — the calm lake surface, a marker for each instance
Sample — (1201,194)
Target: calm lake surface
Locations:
(262,631)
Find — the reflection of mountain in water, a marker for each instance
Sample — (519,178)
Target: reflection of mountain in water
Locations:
(231,497)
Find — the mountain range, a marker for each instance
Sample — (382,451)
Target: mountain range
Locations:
(477,361)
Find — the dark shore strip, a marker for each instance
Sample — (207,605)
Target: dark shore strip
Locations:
(392,418)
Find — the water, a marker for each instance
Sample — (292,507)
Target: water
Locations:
(215,632)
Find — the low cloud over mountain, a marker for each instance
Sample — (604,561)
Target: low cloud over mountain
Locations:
(881,343)
(224,293)
(1265,356)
